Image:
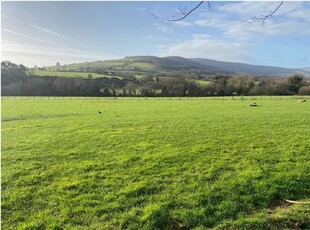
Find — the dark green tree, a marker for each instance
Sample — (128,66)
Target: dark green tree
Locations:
(11,72)
(58,66)
(295,81)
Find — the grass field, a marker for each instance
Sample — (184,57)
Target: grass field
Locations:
(202,82)
(155,164)
(125,62)
(71,74)
(111,63)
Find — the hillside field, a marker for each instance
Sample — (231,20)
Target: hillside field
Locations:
(71,74)
(155,163)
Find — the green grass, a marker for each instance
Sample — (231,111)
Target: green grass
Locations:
(138,76)
(142,65)
(117,65)
(111,63)
(71,74)
(202,82)
(155,164)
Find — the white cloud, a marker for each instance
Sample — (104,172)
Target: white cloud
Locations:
(287,28)
(201,36)
(156,38)
(300,14)
(49,31)
(182,23)
(150,37)
(208,22)
(249,9)
(234,29)
(163,27)
(290,19)
(206,47)
(20,22)
(36,39)
(31,55)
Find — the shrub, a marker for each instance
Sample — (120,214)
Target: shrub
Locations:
(305,90)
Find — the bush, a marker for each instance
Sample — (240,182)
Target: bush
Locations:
(305,90)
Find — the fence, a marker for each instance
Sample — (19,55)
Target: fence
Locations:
(295,97)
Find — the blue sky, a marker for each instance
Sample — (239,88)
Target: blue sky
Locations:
(43,33)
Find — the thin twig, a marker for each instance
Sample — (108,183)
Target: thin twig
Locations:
(263,18)
(183,12)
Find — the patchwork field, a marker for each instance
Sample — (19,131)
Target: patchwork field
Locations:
(155,163)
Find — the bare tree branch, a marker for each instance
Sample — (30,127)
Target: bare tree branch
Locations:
(263,18)
(183,12)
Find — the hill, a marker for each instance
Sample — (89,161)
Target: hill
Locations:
(142,64)
(258,70)
(161,65)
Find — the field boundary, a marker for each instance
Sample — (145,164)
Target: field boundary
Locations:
(264,97)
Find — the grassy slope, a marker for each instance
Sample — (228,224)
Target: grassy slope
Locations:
(144,64)
(154,164)
(70,74)
(112,63)
(125,62)
(202,82)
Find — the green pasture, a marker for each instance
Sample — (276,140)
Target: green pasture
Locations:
(107,64)
(139,76)
(202,82)
(142,65)
(119,63)
(71,74)
(155,163)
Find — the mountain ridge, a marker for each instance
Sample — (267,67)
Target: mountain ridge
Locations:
(251,69)
(151,64)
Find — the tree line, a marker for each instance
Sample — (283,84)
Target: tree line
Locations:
(17,80)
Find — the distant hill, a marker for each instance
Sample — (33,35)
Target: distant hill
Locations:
(306,70)
(187,63)
(143,64)
(258,70)
(152,64)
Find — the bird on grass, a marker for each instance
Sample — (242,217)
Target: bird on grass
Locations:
(99,112)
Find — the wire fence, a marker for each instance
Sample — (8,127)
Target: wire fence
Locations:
(222,98)
(264,97)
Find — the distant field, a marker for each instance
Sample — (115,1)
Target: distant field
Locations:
(119,63)
(112,63)
(142,65)
(155,163)
(202,82)
(71,74)
(138,76)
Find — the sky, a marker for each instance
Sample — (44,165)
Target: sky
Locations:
(43,33)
